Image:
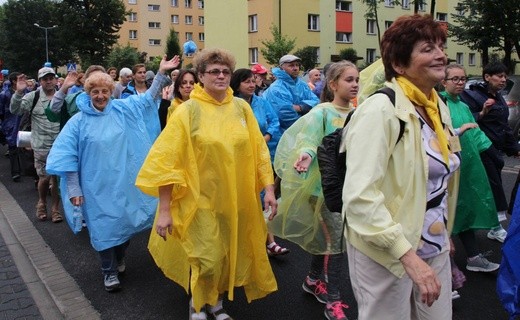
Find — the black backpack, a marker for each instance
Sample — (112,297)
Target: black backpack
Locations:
(332,162)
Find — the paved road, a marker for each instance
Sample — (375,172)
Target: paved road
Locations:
(147,294)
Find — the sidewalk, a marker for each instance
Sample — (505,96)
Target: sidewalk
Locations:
(33,283)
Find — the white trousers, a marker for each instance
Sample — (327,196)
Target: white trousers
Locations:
(382,295)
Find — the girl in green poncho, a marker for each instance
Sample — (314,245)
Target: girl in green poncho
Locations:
(474,185)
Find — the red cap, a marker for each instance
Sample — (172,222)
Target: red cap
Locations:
(258,69)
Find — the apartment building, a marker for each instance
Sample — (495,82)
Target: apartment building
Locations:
(150,21)
(241,25)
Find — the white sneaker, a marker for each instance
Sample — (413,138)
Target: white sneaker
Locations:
(455,295)
(111,283)
(198,315)
(498,234)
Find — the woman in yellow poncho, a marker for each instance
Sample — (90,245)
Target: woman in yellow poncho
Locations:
(207,167)
(183,86)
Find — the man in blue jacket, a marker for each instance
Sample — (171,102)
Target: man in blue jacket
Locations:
(289,95)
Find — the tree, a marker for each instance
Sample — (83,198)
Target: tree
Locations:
(349,54)
(121,57)
(487,25)
(91,27)
(23,44)
(173,47)
(309,57)
(278,47)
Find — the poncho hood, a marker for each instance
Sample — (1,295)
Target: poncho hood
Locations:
(84,103)
(200,94)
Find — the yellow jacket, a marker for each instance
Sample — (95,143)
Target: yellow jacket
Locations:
(384,195)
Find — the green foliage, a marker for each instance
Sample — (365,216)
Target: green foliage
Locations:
(23,44)
(153,64)
(309,57)
(488,25)
(349,54)
(279,46)
(85,32)
(121,57)
(173,47)
(91,27)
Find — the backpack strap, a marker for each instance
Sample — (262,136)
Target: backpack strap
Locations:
(35,100)
(390,93)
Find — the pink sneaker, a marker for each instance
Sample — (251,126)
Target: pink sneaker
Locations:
(334,311)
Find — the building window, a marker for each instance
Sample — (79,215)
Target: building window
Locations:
(154,25)
(472,59)
(371,55)
(345,37)
(154,42)
(389,3)
(188,20)
(201,20)
(371,26)
(154,7)
(132,17)
(132,1)
(253,23)
(459,8)
(422,6)
(187,3)
(388,24)
(253,55)
(460,58)
(201,36)
(405,4)
(442,16)
(314,22)
(175,18)
(175,3)
(344,6)
(189,36)
(132,34)
(200,4)
(318,56)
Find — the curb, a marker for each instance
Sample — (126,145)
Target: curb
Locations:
(54,291)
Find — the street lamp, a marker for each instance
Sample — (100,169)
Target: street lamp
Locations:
(46,39)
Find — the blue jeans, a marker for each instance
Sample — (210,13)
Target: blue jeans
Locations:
(111,257)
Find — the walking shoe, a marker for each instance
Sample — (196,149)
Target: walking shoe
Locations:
(480,263)
(121,266)
(112,283)
(498,234)
(219,314)
(317,288)
(273,249)
(194,315)
(334,311)
(455,295)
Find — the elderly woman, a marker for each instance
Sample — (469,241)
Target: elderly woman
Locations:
(207,168)
(98,154)
(396,196)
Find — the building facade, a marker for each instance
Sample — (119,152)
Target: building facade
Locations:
(241,25)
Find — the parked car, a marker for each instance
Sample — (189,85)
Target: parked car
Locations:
(511,94)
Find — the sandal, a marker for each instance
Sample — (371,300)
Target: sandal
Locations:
(56,217)
(41,211)
(219,314)
(273,249)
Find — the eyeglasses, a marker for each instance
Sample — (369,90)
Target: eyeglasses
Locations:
(217,72)
(458,79)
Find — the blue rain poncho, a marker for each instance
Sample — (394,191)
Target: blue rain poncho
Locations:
(267,120)
(286,92)
(302,215)
(508,280)
(107,149)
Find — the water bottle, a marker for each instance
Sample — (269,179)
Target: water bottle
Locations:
(77,219)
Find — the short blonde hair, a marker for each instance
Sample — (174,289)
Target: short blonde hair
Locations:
(213,56)
(99,79)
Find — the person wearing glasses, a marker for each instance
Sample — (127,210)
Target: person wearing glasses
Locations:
(289,94)
(208,167)
(475,203)
(491,112)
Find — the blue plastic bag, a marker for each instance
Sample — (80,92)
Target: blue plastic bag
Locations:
(189,47)
(508,280)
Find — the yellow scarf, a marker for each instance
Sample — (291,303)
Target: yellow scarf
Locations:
(419,98)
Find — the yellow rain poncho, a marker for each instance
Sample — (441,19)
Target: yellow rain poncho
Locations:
(216,158)
(302,215)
